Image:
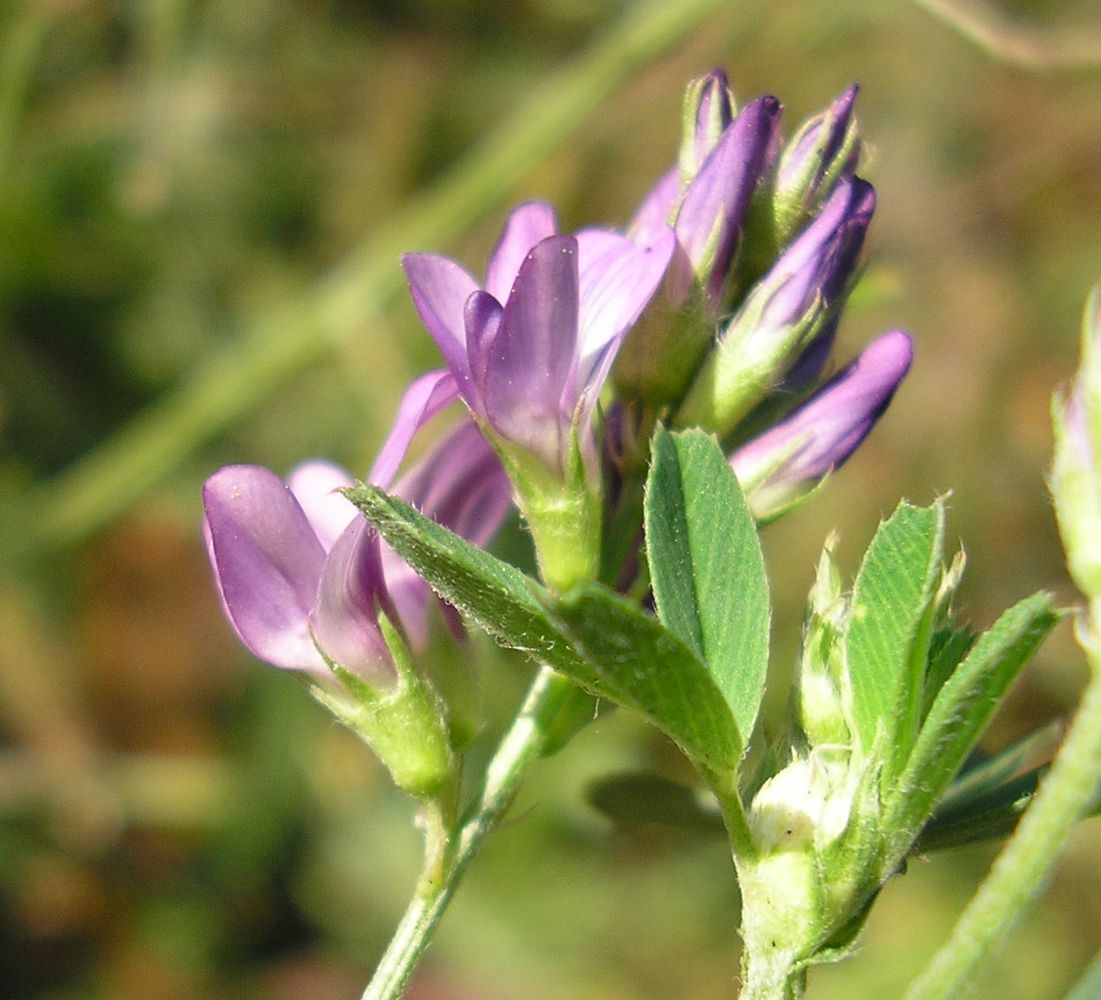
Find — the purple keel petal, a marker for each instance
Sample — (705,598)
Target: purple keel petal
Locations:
(345,619)
(267,561)
(424,398)
(482,317)
(534,352)
(527,225)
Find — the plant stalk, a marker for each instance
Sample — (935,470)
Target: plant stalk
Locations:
(1028,859)
(447,853)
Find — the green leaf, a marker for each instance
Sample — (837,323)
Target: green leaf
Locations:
(965,704)
(594,637)
(991,817)
(501,599)
(636,799)
(706,566)
(635,661)
(887,640)
(982,773)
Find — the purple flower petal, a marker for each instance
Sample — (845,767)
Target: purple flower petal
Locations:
(345,616)
(527,225)
(617,278)
(819,263)
(656,210)
(425,397)
(267,561)
(440,289)
(710,104)
(534,352)
(482,317)
(709,223)
(315,485)
(818,144)
(461,485)
(824,431)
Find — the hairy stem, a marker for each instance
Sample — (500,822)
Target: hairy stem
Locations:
(1028,859)
(447,853)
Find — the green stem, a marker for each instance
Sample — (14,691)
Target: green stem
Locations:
(1028,859)
(446,857)
(279,345)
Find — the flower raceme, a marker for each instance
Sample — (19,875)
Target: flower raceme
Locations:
(737,203)
(303,578)
(529,352)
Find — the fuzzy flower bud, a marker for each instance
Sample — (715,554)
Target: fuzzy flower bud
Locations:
(1076,468)
(783,314)
(824,150)
(708,110)
(780,466)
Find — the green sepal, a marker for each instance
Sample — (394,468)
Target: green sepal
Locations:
(562,508)
(404,725)
(747,362)
(706,566)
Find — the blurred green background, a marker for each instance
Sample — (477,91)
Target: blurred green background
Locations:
(201,208)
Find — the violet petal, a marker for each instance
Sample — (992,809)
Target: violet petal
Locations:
(709,222)
(822,433)
(267,561)
(440,288)
(423,399)
(344,619)
(534,352)
(315,485)
(526,225)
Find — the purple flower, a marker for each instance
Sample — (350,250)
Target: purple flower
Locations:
(784,324)
(529,352)
(709,214)
(299,571)
(1075,478)
(708,110)
(786,461)
(825,149)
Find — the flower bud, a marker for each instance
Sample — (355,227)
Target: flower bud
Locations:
(708,110)
(821,702)
(824,150)
(1076,468)
(780,466)
(783,314)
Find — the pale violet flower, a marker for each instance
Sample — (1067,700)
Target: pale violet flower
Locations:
(530,350)
(298,570)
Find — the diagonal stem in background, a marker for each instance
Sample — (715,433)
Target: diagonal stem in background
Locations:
(278,346)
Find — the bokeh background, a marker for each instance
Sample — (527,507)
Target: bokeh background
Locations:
(201,208)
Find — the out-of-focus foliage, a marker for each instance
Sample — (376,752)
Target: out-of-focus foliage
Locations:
(176,821)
